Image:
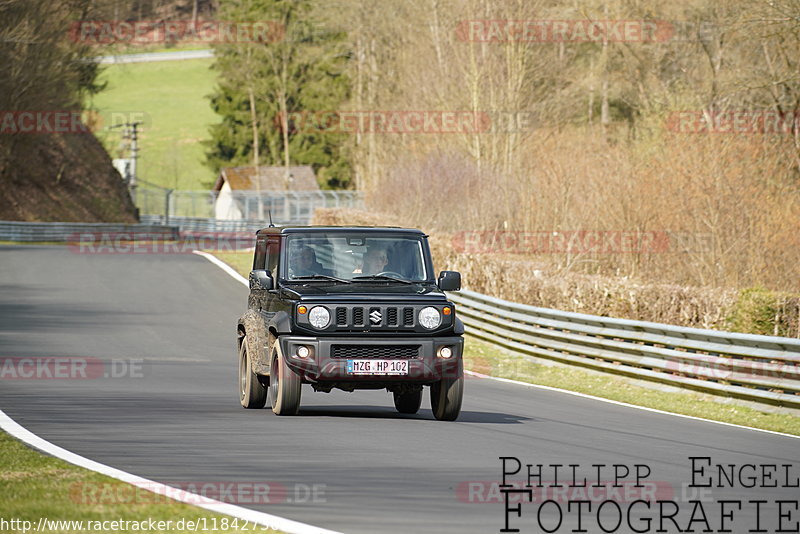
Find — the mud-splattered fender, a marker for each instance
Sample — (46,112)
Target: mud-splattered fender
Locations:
(258,329)
(254,326)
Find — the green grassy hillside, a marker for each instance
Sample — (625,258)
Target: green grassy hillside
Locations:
(172,95)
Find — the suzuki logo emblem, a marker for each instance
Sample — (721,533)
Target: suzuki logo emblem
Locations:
(375,316)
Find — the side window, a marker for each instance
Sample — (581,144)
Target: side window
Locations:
(260,255)
(273,255)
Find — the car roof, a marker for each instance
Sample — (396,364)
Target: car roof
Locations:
(285,230)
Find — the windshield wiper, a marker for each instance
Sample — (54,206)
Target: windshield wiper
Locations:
(321,277)
(383,277)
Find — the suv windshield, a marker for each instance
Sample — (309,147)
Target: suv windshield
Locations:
(355,257)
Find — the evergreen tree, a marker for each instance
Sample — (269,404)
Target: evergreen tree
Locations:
(300,67)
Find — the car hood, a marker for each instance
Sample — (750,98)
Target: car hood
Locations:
(364,291)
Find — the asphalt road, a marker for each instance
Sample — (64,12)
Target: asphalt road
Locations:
(348,462)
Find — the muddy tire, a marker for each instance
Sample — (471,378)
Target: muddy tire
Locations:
(252,393)
(408,402)
(446,396)
(284,390)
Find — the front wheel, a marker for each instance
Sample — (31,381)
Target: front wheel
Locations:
(408,402)
(252,393)
(284,385)
(446,396)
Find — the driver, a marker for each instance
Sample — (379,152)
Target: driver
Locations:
(305,262)
(375,261)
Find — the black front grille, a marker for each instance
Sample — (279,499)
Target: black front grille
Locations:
(391,317)
(374,351)
(373,317)
(341,316)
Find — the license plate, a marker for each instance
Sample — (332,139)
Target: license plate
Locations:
(377,367)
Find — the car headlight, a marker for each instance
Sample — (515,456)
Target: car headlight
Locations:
(429,317)
(319,317)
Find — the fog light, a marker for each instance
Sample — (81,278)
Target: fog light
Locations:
(303,352)
(445,352)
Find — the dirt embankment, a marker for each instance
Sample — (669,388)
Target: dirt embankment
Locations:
(61,177)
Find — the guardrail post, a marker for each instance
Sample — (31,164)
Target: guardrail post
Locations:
(167,202)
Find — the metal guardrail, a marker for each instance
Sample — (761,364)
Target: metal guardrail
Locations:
(191,225)
(752,367)
(32,232)
(287,207)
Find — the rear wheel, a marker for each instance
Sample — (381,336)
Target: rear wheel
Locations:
(284,390)
(446,398)
(408,402)
(252,393)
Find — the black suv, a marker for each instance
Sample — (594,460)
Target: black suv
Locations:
(349,308)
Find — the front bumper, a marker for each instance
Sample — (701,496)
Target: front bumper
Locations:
(425,367)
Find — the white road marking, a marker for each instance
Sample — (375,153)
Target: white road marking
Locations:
(253,516)
(618,403)
(224,266)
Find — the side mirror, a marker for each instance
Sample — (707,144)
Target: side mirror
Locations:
(449,281)
(261,279)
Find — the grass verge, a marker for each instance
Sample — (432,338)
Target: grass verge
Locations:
(241,261)
(171,96)
(35,486)
(488,359)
